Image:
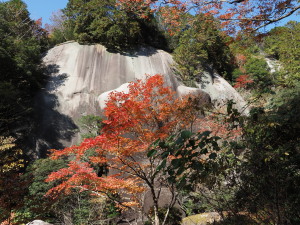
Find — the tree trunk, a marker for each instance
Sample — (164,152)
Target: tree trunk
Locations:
(156,218)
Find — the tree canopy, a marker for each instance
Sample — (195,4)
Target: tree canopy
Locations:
(22,42)
(202,44)
(107,23)
(234,14)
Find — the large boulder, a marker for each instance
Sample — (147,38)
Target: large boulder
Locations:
(221,92)
(82,76)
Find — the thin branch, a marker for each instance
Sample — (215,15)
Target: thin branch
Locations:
(100,193)
(279,18)
(269,21)
(139,166)
(245,19)
(172,202)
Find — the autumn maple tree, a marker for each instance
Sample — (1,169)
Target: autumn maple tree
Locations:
(135,120)
(242,81)
(245,14)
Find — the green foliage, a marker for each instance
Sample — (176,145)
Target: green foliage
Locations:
(214,185)
(200,46)
(21,45)
(36,205)
(78,208)
(269,178)
(236,73)
(247,44)
(22,41)
(283,43)
(189,57)
(90,126)
(257,176)
(102,21)
(258,70)
(185,150)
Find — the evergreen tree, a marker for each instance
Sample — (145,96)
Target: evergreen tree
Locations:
(22,41)
(103,21)
(201,45)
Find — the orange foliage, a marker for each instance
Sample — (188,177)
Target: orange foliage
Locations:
(242,81)
(236,14)
(141,8)
(134,121)
(8,221)
(240,60)
(171,18)
(39,22)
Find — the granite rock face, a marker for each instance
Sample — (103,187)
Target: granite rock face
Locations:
(81,77)
(83,72)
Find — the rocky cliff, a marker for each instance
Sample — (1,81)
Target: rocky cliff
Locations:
(81,76)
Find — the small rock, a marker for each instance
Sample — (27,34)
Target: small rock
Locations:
(202,219)
(38,222)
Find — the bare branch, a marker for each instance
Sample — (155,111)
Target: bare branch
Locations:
(101,193)
(236,1)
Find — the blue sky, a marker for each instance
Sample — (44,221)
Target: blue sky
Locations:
(44,8)
(295,17)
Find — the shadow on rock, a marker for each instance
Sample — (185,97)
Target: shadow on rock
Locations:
(52,128)
(55,79)
(135,51)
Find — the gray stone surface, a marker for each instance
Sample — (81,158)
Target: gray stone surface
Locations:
(221,91)
(38,222)
(202,219)
(81,77)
